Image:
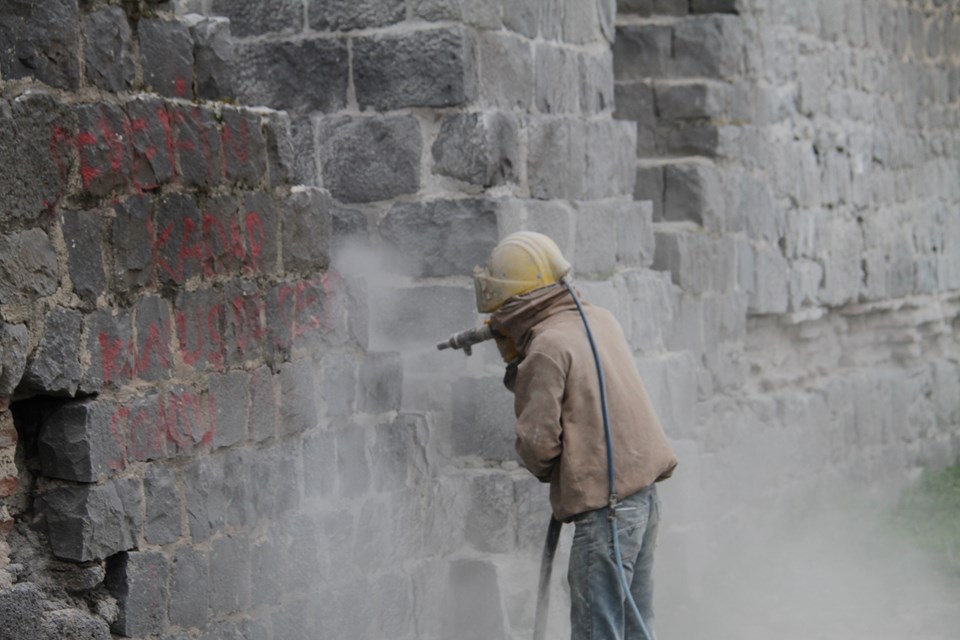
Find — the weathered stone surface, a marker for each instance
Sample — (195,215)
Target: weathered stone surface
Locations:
(41,41)
(281,149)
(697,262)
(199,316)
(649,187)
(508,82)
(304,76)
(152,156)
(439,238)
(483,419)
(189,588)
(138,580)
(474,609)
(206,502)
(212,54)
(178,224)
(713,6)
(262,223)
(84,238)
(556,73)
(596,83)
(112,354)
(166,54)
(416,316)
(77,442)
(689,193)
(255,18)
(15,345)
(107,49)
(230,393)
(244,148)
(609,148)
(73,624)
(654,7)
(92,522)
(556,158)
(353,467)
(298,399)
(21,608)
(197,138)
(369,159)
(431,68)
(154,326)
(28,267)
(381,383)
(263,405)
(491,519)
(104,163)
(54,368)
(479,148)
(344,15)
(307,222)
(707,47)
(641,52)
(483,15)
(162,498)
(229,575)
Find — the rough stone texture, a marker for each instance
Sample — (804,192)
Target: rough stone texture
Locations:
(482,419)
(71,624)
(368,159)
(21,607)
(162,499)
(83,235)
(481,149)
(108,51)
(250,19)
(345,15)
(95,521)
(431,68)
(166,52)
(212,53)
(54,367)
(28,267)
(138,580)
(306,231)
(189,588)
(77,442)
(41,41)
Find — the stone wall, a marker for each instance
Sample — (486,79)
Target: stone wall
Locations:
(232,233)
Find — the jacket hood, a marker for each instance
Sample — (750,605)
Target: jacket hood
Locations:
(519,314)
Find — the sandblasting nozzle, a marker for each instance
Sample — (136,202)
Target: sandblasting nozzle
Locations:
(466,339)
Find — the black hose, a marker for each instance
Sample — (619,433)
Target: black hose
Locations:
(546,569)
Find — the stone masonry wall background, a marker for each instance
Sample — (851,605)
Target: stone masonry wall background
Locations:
(225,415)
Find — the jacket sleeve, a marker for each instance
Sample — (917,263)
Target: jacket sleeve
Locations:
(538,404)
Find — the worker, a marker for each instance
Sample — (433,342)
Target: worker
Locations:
(560,430)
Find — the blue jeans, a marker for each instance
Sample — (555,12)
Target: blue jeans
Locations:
(598,609)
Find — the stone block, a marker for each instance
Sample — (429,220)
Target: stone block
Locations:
(429,68)
(205,497)
(698,140)
(108,49)
(418,316)
(690,193)
(229,394)
(28,267)
(162,499)
(714,6)
(263,404)
(697,262)
(166,55)
(229,575)
(298,400)
(671,383)
(150,144)
(555,219)
(381,383)
(307,226)
(649,187)
(73,624)
(439,237)
(473,608)
(92,522)
(239,488)
(38,154)
(346,15)
(609,159)
(319,463)
(142,420)
(339,386)
(261,225)
(707,47)
(41,41)
(189,588)
(771,287)
(522,17)
(138,580)
(84,238)
(635,239)
(301,76)
(491,518)
(105,164)
(154,327)
(21,608)
(54,368)
(690,101)
(508,78)
(78,442)
(641,52)
(257,18)
(596,83)
(647,301)
(484,15)
(199,317)
(483,420)
(353,468)
(556,158)
(596,239)
(112,353)
(479,148)
(581,21)
(281,149)
(222,237)
(392,454)
(556,79)
(212,55)
(197,140)
(654,7)
(14,348)
(244,148)
(369,159)
(177,247)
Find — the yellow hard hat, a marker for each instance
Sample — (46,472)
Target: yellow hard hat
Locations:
(522,262)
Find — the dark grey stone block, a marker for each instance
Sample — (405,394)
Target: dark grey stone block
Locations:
(54,368)
(197,140)
(473,606)
(431,68)
(229,393)
(265,16)
(642,51)
(239,488)
(353,469)
(14,347)
(339,372)
(189,588)
(277,489)
(246,335)
(688,189)
(138,580)
(303,76)
(221,235)
(556,79)
(162,499)
(298,402)
(649,186)
(707,47)
(319,463)
(263,404)
(177,245)
(507,81)
(212,55)
(200,320)
(21,608)
(229,575)
(28,267)
(344,15)
(41,41)
(281,154)
(244,148)
(104,161)
(78,442)
(145,421)
(265,559)
(166,54)
(154,325)
(206,501)
(483,419)
(369,159)
(108,49)
(152,154)
(441,237)
(634,100)
(522,16)
(84,238)
(714,6)
(73,624)
(112,353)
(306,222)
(92,522)
(479,148)
(381,383)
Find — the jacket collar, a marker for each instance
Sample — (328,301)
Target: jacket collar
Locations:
(520,314)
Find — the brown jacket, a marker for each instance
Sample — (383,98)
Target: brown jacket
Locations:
(559,421)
